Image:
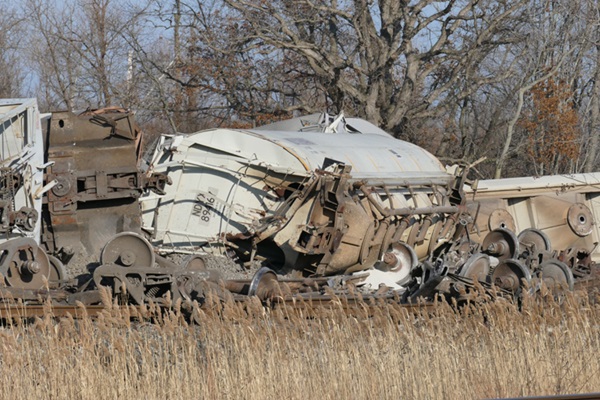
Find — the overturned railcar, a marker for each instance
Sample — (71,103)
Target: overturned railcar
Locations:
(545,215)
(317,195)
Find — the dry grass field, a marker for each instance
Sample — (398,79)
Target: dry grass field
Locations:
(493,350)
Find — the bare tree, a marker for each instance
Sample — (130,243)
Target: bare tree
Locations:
(11,65)
(453,76)
(391,62)
(157,67)
(553,37)
(57,66)
(97,40)
(586,82)
(79,51)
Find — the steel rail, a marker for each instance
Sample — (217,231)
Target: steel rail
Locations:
(583,396)
(349,306)
(21,311)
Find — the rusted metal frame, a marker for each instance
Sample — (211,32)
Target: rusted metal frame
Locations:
(438,195)
(150,284)
(24,219)
(456,193)
(448,225)
(113,178)
(149,277)
(273,223)
(157,182)
(332,193)
(423,228)
(383,222)
(420,230)
(400,229)
(341,196)
(102,167)
(132,134)
(405,211)
(421,180)
(389,196)
(9,293)
(411,190)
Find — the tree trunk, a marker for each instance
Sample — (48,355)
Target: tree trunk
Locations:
(594,126)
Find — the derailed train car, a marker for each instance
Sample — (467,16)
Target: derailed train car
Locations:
(548,222)
(94,179)
(21,169)
(69,183)
(22,262)
(322,196)
(313,198)
(313,195)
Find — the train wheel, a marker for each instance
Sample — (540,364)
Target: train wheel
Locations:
(477,267)
(534,240)
(128,249)
(501,243)
(24,264)
(511,275)
(557,276)
(57,271)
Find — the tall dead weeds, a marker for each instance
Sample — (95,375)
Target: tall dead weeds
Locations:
(541,346)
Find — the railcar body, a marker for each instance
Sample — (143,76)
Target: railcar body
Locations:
(319,194)
(21,169)
(562,209)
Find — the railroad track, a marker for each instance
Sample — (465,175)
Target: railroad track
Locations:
(20,311)
(585,396)
(310,307)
